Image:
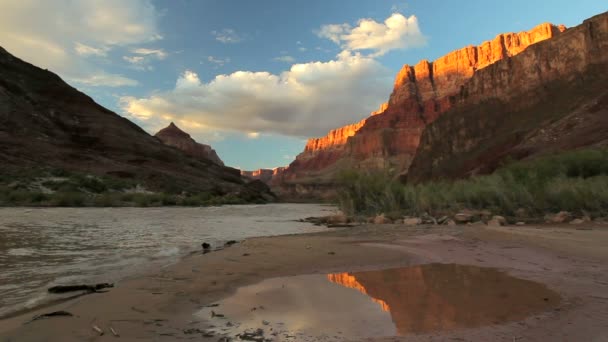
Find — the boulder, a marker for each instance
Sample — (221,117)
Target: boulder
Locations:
(497,221)
(577,221)
(561,217)
(381,219)
(463,217)
(412,221)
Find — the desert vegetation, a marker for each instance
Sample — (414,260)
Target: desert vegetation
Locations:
(575,181)
(44,187)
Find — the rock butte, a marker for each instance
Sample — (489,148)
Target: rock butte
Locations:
(390,137)
(173,136)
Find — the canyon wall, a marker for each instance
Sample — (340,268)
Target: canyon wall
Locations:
(551,97)
(388,139)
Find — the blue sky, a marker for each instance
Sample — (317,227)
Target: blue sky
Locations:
(255,78)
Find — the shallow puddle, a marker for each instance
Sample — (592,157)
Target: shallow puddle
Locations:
(390,302)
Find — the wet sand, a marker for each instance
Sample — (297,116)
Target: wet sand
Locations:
(161,306)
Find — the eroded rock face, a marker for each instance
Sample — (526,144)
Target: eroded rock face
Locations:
(173,136)
(265,175)
(389,138)
(550,97)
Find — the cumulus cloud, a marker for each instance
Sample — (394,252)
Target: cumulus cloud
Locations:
(396,32)
(63,35)
(307,100)
(227,36)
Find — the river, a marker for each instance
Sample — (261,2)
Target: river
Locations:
(43,247)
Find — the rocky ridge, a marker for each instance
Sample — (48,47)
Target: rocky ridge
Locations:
(45,124)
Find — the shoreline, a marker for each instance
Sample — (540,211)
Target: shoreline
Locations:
(160,305)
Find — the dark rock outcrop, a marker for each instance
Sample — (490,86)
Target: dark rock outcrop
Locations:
(173,136)
(45,123)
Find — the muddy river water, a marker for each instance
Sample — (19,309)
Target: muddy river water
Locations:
(43,247)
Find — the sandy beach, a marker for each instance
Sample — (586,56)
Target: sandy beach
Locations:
(570,260)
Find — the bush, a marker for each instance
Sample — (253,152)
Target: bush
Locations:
(68,199)
(575,181)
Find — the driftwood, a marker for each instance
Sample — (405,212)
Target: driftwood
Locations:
(97,329)
(71,288)
(51,314)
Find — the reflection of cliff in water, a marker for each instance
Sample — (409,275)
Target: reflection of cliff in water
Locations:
(442,297)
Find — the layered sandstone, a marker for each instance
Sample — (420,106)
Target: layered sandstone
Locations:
(551,97)
(388,139)
(173,136)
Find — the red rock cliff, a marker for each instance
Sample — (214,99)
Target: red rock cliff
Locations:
(551,97)
(388,139)
(173,136)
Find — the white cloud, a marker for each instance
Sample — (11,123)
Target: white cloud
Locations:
(143,57)
(397,32)
(85,50)
(61,35)
(302,49)
(307,100)
(218,61)
(158,53)
(226,36)
(285,59)
(253,135)
(106,80)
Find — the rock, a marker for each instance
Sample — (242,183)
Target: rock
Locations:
(420,95)
(381,219)
(173,136)
(518,87)
(230,243)
(338,219)
(520,223)
(463,217)
(412,221)
(577,221)
(265,175)
(206,246)
(442,219)
(450,222)
(561,217)
(497,221)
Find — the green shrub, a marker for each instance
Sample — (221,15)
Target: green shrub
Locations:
(575,181)
(68,199)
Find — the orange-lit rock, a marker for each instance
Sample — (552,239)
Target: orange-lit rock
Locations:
(388,139)
(265,175)
(551,97)
(173,136)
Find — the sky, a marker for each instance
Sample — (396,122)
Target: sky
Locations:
(255,78)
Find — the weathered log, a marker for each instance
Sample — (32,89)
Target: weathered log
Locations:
(51,314)
(71,288)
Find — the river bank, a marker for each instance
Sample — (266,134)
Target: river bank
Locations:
(163,304)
